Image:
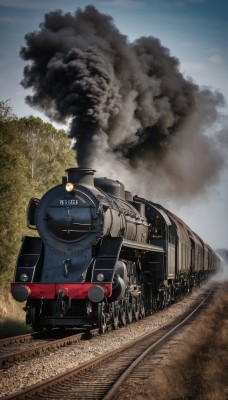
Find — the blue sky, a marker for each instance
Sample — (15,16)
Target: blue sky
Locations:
(195,31)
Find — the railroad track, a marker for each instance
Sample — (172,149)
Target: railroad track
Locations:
(26,346)
(101,377)
(15,339)
(148,363)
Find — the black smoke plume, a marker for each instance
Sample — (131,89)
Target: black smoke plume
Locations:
(131,109)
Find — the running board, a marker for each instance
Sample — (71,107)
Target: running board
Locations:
(142,246)
(105,261)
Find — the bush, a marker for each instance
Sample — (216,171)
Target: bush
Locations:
(198,371)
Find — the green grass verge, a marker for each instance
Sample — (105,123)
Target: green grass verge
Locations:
(12,316)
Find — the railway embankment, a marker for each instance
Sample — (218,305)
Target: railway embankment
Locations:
(196,369)
(12,316)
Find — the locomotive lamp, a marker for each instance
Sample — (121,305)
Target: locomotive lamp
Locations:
(100,277)
(24,277)
(69,187)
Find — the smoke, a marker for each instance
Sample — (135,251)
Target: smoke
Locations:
(133,114)
(222,273)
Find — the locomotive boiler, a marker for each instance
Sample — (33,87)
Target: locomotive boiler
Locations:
(103,256)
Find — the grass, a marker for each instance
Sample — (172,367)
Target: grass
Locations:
(12,316)
(199,369)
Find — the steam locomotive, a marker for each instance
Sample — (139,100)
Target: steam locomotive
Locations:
(104,257)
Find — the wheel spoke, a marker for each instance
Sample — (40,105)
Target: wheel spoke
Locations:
(123,319)
(115,316)
(129,313)
(102,319)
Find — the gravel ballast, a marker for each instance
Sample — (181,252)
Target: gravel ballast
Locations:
(29,372)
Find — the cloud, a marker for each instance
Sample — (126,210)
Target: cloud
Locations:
(216,59)
(187,44)
(186,2)
(24,4)
(15,4)
(193,67)
(122,3)
(216,50)
(11,19)
(44,5)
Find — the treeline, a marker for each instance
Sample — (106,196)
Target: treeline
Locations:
(33,157)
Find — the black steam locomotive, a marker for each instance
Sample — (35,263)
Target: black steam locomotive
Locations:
(104,257)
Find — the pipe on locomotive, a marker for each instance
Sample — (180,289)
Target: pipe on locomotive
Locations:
(81,176)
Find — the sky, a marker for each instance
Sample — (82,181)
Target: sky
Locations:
(195,31)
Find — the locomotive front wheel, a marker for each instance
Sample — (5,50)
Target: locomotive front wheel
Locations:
(102,319)
(136,309)
(169,299)
(129,313)
(142,311)
(123,319)
(34,318)
(115,316)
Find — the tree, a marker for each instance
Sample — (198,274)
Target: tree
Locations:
(48,152)
(33,157)
(13,184)
(6,114)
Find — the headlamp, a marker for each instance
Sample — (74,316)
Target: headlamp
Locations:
(69,187)
(100,277)
(24,277)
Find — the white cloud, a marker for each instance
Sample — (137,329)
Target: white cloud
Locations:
(192,67)
(186,2)
(216,50)
(216,59)
(24,4)
(122,3)
(43,4)
(11,19)
(187,44)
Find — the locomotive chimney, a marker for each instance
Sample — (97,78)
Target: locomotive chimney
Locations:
(82,176)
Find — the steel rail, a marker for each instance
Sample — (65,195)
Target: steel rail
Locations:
(110,394)
(110,388)
(15,339)
(38,349)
